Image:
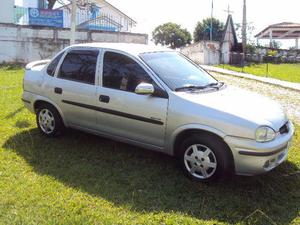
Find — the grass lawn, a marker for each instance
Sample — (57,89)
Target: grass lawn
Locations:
(83,179)
(288,72)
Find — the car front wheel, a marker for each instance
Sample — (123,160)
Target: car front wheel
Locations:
(204,158)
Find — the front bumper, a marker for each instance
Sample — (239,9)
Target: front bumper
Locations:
(251,157)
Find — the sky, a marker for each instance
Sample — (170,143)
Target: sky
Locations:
(260,13)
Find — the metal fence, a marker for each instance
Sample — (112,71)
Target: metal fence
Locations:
(280,56)
(263,64)
(85,19)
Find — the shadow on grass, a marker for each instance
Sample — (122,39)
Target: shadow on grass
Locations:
(13,114)
(150,182)
(22,124)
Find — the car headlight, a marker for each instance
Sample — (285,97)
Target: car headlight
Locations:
(264,134)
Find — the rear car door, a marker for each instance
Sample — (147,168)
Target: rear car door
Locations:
(124,113)
(74,87)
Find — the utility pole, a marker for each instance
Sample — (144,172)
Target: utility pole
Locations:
(73,22)
(211,21)
(244,29)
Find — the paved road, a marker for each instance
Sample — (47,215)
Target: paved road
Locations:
(289,99)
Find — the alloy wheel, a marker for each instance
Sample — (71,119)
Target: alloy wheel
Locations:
(200,161)
(46,121)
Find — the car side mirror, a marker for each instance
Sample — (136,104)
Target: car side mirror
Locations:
(144,89)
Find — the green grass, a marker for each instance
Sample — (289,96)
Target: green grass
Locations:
(84,179)
(287,72)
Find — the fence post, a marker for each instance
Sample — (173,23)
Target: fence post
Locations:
(243,62)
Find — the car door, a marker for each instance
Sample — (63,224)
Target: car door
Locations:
(124,113)
(74,87)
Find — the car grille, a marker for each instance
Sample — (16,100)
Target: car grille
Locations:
(284,129)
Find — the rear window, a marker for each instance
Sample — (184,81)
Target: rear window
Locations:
(52,66)
(80,66)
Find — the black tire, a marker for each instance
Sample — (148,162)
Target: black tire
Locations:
(216,165)
(57,123)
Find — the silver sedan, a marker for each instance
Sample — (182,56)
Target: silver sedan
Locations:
(158,99)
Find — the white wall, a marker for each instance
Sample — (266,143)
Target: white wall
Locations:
(24,43)
(7,11)
(204,52)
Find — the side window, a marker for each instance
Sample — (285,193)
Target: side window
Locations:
(123,73)
(52,66)
(79,65)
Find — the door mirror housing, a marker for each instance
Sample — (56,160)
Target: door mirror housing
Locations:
(144,89)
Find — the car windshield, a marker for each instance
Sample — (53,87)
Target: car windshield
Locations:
(177,71)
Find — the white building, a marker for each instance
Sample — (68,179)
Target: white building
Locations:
(126,22)
(31,4)
(6,11)
(106,17)
(97,15)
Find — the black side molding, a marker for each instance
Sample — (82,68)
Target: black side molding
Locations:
(24,100)
(262,153)
(114,112)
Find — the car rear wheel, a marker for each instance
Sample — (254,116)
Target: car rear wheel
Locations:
(204,158)
(48,120)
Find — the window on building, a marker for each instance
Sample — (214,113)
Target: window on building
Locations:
(79,65)
(122,73)
(52,66)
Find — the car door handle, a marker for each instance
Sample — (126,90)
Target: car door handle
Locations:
(104,98)
(58,90)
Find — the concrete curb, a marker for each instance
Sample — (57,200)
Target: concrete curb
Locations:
(272,81)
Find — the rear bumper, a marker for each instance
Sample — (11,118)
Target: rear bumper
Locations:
(251,157)
(28,100)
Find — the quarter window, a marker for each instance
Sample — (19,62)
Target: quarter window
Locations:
(52,66)
(79,65)
(122,73)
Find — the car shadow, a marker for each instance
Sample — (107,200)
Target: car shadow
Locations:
(152,182)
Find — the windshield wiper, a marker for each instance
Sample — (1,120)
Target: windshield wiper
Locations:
(217,85)
(190,87)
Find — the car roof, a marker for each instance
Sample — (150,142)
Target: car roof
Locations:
(134,49)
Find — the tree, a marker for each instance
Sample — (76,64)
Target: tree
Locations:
(171,34)
(202,30)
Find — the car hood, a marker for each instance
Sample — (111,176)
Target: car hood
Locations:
(240,103)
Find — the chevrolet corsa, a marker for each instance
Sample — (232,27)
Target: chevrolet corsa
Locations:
(158,99)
